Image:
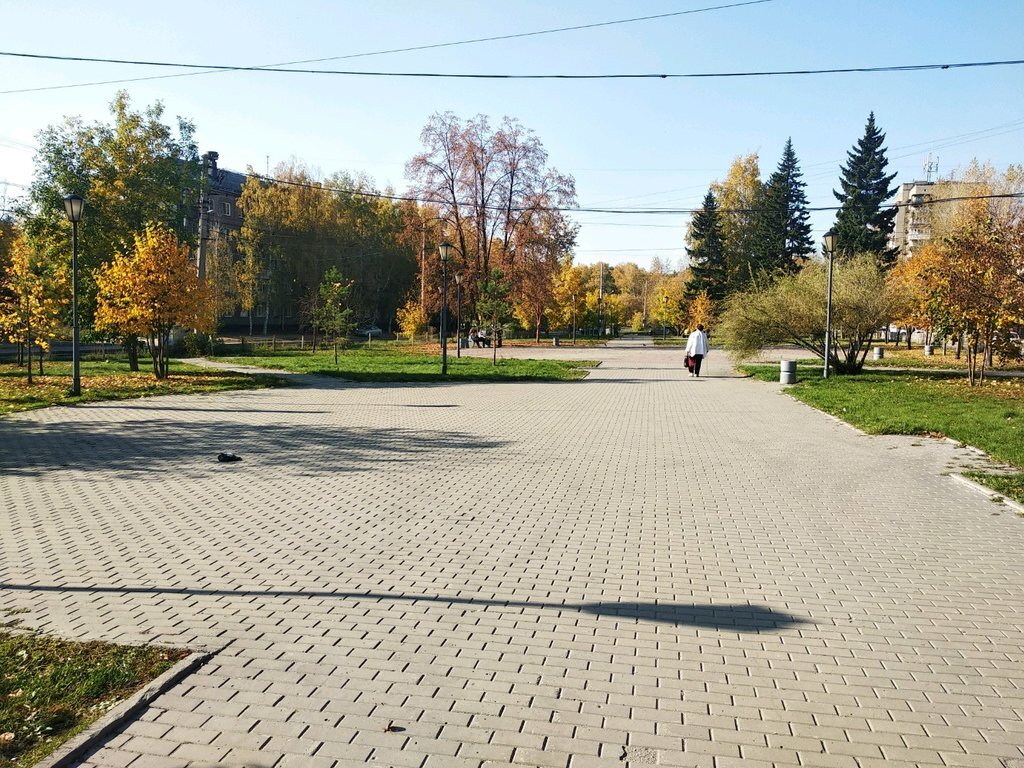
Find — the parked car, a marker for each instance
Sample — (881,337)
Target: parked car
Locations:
(369,331)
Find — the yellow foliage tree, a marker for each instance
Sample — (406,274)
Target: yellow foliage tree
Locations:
(412,320)
(152,290)
(975,281)
(701,311)
(569,298)
(33,294)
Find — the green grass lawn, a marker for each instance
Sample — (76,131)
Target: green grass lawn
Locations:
(989,416)
(111,380)
(52,689)
(390,362)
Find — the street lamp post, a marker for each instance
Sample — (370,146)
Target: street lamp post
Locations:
(458,315)
(444,250)
(73,207)
(830,248)
(664,317)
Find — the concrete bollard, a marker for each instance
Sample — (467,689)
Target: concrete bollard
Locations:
(929,350)
(787,372)
(878,353)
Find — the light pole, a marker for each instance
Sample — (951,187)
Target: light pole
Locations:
(444,250)
(574,319)
(664,317)
(830,249)
(458,315)
(73,207)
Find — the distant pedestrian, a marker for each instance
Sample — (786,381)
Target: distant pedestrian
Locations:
(696,348)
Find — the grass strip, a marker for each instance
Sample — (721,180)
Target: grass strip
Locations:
(112,380)
(988,416)
(388,363)
(52,689)
(1011,486)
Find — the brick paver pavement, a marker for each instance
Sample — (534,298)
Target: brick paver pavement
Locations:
(636,569)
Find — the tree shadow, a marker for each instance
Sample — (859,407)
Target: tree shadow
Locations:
(736,617)
(189,448)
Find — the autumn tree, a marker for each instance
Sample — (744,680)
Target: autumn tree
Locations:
(701,311)
(975,278)
(569,295)
(739,196)
(544,245)
(864,223)
(783,222)
(297,226)
(150,290)
(133,171)
(34,291)
(488,184)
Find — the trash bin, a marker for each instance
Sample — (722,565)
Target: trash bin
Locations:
(554,341)
(787,372)
(929,350)
(878,353)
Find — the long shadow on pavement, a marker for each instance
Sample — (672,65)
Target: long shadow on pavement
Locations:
(33,449)
(734,617)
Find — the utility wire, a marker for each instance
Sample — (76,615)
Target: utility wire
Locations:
(585,209)
(409,49)
(499,76)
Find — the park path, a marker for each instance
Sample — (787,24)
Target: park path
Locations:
(636,569)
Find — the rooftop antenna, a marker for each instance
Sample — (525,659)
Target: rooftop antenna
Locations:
(931,167)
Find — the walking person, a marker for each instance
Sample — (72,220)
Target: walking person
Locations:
(696,348)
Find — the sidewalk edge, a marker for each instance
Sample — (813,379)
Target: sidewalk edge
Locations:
(75,748)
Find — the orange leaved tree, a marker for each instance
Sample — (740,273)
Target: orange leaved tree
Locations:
(152,290)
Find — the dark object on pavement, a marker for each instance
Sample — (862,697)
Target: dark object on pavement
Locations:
(228,457)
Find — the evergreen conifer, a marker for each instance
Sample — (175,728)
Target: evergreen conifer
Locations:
(784,229)
(706,249)
(862,224)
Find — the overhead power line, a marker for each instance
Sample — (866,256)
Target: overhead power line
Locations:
(505,76)
(585,209)
(409,49)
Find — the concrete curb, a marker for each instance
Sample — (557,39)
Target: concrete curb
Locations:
(990,492)
(69,753)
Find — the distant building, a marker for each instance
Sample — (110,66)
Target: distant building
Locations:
(916,208)
(220,215)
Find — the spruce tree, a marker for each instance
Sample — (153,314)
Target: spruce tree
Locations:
(706,250)
(862,224)
(784,229)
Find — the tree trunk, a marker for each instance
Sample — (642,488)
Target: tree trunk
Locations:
(251,311)
(29,345)
(910,332)
(40,361)
(131,346)
(494,347)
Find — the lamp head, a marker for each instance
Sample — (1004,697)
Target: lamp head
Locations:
(445,250)
(73,207)
(830,240)
(458,278)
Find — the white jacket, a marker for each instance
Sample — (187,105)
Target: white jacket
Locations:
(697,344)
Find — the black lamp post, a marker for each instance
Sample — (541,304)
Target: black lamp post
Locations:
(664,317)
(458,315)
(444,250)
(73,207)
(830,249)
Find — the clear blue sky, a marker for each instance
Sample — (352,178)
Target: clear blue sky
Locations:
(628,143)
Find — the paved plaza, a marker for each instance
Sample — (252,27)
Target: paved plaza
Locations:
(636,569)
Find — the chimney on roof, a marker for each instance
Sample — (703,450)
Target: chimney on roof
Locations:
(210,163)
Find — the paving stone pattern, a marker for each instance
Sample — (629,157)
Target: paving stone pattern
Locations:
(637,569)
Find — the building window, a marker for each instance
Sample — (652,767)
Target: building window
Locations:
(226,209)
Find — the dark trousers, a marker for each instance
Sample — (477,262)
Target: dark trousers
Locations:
(696,364)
